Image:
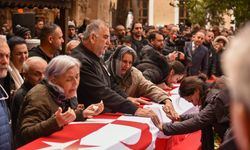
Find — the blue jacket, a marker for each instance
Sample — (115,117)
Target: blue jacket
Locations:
(5,131)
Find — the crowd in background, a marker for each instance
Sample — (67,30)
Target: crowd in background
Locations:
(117,66)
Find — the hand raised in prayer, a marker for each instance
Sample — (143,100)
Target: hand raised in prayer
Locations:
(93,110)
(65,118)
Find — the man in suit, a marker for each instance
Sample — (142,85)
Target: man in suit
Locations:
(196,55)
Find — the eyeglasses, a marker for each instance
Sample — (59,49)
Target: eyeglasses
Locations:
(4,95)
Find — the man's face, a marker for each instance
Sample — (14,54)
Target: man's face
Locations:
(101,40)
(4,59)
(199,38)
(158,42)
(19,54)
(173,32)
(57,39)
(209,37)
(71,31)
(137,31)
(40,25)
(120,30)
(36,72)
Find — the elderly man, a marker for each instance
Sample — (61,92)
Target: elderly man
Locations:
(33,72)
(5,132)
(95,84)
(51,38)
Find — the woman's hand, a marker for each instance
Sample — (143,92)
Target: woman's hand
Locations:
(142,112)
(93,110)
(65,118)
(170,111)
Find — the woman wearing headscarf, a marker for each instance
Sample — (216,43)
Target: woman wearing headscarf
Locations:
(133,82)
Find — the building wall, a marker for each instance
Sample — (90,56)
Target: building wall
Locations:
(163,12)
(99,9)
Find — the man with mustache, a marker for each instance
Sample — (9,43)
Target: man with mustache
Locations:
(5,132)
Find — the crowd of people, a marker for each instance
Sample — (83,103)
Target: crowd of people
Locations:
(109,70)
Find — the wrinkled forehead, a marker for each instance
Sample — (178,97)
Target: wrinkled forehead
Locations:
(200,34)
(4,48)
(103,30)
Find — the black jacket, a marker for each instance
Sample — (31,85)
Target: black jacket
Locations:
(153,65)
(37,51)
(214,114)
(95,84)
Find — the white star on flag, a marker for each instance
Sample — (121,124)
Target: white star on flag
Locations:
(57,145)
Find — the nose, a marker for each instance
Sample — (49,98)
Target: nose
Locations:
(108,42)
(5,60)
(41,77)
(24,55)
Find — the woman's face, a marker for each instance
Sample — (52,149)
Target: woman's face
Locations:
(69,81)
(194,98)
(174,78)
(126,63)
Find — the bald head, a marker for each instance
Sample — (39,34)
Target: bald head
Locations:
(34,68)
(4,58)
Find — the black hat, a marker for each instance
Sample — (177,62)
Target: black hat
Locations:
(21,31)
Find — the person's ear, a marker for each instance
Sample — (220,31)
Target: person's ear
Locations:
(92,37)
(50,39)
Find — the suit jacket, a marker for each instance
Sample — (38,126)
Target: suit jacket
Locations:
(198,59)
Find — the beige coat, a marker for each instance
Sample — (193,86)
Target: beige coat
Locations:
(142,87)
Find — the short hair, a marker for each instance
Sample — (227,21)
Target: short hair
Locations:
(60,64)
(152,35)
(47,30)
(31,60)
(178,67)
(94,26)
(15,40)
(39,20)
(236,65)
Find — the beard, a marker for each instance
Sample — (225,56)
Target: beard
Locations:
(3,72)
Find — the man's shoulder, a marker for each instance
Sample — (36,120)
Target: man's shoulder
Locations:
(79,53)
(35,51)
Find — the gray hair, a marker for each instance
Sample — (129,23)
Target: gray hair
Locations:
(94,26)
(30,61)
(236,65)
(60,64)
